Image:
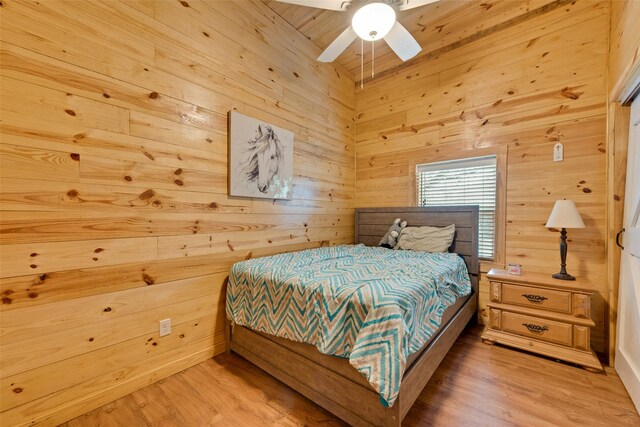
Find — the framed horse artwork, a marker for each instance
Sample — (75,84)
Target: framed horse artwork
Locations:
(260,158)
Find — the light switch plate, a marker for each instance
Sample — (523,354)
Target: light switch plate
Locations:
(558,152)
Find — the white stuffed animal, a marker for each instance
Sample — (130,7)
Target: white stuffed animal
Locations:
(391,238)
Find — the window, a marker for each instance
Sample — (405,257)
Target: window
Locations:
(463,182)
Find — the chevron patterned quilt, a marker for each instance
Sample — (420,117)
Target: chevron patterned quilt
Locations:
(374,306)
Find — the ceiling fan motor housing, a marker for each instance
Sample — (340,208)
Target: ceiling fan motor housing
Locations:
(373,21)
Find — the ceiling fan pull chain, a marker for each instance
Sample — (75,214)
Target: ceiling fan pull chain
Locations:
(373,57)
(361,64)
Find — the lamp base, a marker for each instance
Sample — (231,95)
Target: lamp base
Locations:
(563,276)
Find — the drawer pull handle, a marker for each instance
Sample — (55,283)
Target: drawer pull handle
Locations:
(534,298)
(535,328)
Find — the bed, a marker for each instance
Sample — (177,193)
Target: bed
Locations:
(332,382)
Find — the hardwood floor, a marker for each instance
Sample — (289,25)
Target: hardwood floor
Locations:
(476,385)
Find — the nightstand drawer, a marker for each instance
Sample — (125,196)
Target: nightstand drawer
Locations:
(544,299)
(538,313)
(540,329)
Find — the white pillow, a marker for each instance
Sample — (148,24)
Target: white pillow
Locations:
(428,239)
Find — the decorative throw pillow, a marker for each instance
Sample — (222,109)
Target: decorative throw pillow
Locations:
(427,239)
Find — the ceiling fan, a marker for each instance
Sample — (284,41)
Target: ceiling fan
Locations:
(371,21)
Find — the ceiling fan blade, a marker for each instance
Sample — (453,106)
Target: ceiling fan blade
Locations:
(338,45)
(320,4)
(402,42)
(410,4)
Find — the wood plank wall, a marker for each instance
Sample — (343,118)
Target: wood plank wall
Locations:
(624,52)
(516,88)
(114,176)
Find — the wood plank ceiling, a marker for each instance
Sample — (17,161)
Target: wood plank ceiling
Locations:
(438,27)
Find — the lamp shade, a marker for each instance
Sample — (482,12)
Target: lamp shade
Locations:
(565,215)
(373,21)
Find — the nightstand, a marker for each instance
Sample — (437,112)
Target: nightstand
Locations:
(543,315)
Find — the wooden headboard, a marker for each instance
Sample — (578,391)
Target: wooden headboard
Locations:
(372,223)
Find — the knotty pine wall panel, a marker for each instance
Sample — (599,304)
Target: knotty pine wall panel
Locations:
(624,46)
(517,87)
(113,179)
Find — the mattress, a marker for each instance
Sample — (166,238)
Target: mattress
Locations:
(372,306)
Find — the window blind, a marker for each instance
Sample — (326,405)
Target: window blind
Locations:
(463,182)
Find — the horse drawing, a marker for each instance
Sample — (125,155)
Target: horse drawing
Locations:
(265,158)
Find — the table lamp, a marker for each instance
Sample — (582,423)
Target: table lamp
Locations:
(564,215)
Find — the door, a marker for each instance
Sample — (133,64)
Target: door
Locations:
(627,362)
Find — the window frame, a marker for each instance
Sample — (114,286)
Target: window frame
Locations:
(438,155)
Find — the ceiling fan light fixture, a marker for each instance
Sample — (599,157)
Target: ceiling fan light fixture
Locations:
(373,21)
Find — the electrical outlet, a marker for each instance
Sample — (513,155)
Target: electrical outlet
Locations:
(165,327)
